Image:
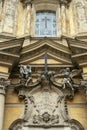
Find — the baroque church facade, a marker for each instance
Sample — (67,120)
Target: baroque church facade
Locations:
(43,64)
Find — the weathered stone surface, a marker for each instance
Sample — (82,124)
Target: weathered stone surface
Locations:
(10,17)
(80,15)
(19,20)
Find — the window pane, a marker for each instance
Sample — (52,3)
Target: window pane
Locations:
(45,24)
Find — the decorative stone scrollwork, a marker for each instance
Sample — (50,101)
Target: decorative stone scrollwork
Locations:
(46,118)
(16,125)
(75,125)
(45,100)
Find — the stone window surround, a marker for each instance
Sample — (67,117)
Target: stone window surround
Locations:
(48,7)
(44,5)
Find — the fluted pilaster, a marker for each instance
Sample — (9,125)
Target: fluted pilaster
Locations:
(3,84)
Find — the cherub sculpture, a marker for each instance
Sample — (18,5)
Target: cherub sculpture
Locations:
(25,71)
(68,81)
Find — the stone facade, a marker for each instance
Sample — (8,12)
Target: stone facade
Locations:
(71,17)
(48,74)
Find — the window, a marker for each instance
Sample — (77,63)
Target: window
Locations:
(45,24)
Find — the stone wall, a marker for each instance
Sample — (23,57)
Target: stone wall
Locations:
(9,17)
(18,19)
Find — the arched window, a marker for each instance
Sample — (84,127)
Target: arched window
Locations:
(45,24)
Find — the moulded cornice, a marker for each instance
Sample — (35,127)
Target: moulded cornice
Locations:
(66,2)
(46,42)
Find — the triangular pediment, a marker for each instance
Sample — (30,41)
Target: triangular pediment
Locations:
(32,53)
(46,43)
(52,59)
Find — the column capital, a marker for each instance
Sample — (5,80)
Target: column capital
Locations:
(64,2)
(3,84)
(26,2)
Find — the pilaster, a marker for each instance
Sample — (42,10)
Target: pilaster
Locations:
(3,86)
(63,18)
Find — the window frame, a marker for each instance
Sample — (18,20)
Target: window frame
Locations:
(42,30)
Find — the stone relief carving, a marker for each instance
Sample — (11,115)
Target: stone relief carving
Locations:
(68,81)
(45,100)
(25,71)
(45,118)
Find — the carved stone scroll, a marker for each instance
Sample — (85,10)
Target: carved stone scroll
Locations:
(45,103)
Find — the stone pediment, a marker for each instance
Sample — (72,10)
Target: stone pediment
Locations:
(52,59)
(35,51)
(44,43)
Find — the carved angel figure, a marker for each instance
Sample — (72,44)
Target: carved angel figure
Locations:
(25,71)
(68,81)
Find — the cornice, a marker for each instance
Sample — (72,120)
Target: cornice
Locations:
(10,52)
(79,55)
(4,75)
(38,1)
(30,2)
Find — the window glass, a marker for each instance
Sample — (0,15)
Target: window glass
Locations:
(45,24)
